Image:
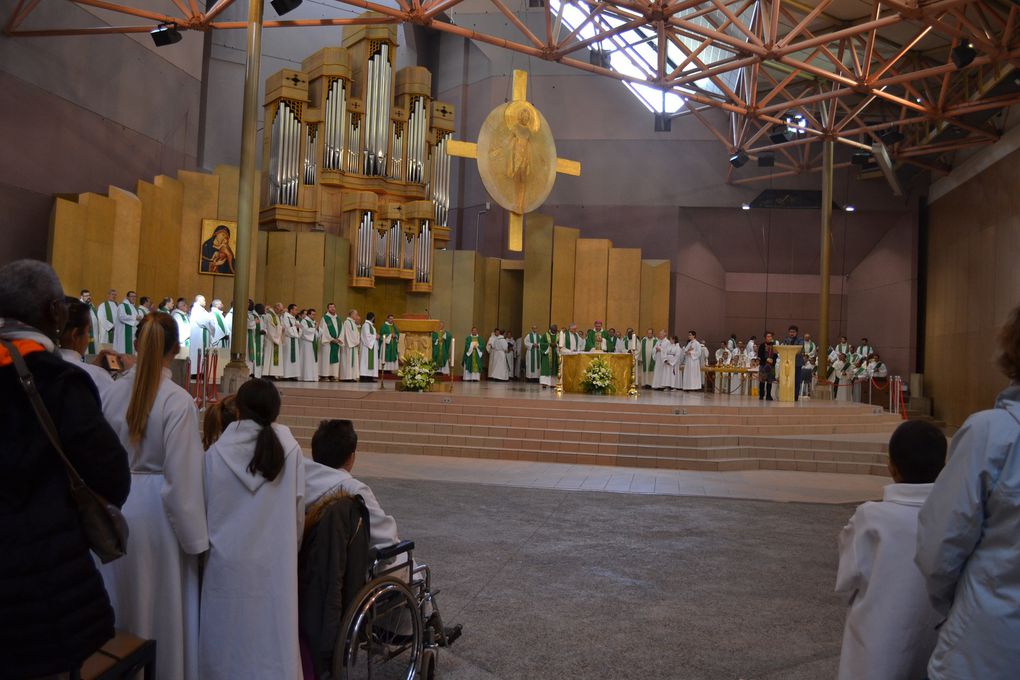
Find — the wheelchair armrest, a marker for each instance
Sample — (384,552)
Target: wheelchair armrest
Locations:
(391,551)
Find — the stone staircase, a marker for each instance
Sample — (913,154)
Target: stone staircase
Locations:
(616,432)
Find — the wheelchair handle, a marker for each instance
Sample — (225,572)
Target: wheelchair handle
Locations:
(391,551)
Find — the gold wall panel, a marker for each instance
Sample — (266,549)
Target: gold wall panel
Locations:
(100,248)
(511,300)
(564,255)
(67,226)
(623,298)
(281,250)
(258,290)
(462,308)
(125,241)
(160,242)
(478,285)
(490,295)
(200,200)
(538,266)
(441,299)
(590,281)
(654,296)
(309,272)
(229,180)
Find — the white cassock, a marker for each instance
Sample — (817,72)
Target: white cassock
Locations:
(498,367)
(350,336)
(201,335)
(646,360)
(124,339)
(675,358)
(154,588)
(249,586)
(183,332)
(692,366)
(329,337)
(100,377)
(369,351)
(532,357)
(308,358)
(662,376)
(221,339)
(842,379)
(289,348)
(272,351)
(890,630)
(104,333)
(254,340)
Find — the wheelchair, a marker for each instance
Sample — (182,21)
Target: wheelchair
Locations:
(393,629)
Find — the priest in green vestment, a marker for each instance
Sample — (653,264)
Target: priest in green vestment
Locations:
(391,340)
(532,355)
(596,339)
(329,339)
(441,344)
(549,348)
(473,354)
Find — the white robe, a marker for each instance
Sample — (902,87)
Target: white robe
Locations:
(290,349)
(201,335)
(106,313)
(183,332)
(498,367)
(128,317)
(220,339)
(93,330)
(890,627)
(249,586)
(532,357)
(663,376)
(692,366)
(254,321)
(154,588)
(351,340)
(307,358)
(272,351)
(327,369)
(675,358)
(369,351)
(646,355)
(100,377)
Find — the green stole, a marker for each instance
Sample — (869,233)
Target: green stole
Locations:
(371,354)
(535,352)
(315,340)
(334,349)
(92,331)
(392,349)
(113,321)
(218,315)
(611,343)
(129,336)
(550,354)
(649,352)
(440,348)
(293,343)
(354,355)
(276,347)
(254,346)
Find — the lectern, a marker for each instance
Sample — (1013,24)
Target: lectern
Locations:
(787,371)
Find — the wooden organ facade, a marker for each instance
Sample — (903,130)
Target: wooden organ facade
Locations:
(356,148)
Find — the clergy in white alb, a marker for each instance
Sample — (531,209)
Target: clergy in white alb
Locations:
(675,359)
(106,313)
(350,342)
(646,359)
(220,337)
(532,355)
(309,354)
(569,341)
(249,626)
(183,320)
(128,316)
(369,348)
(329,344)
(272,341)
(154,588)
(290,347)
(201,334)
(662,375)
(253,337)
(694,356)
(497,348)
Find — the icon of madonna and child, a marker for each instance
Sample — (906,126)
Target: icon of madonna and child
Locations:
(219,241)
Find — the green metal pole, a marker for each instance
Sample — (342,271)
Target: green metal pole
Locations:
(824,261)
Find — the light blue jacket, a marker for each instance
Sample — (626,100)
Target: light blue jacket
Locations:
(968,548)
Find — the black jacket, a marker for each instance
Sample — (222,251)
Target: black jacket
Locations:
(54,610)
(332,568)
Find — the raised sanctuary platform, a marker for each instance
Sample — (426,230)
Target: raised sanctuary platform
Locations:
(680,431)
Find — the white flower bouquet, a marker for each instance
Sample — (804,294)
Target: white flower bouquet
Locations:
(417,373)
(598,377)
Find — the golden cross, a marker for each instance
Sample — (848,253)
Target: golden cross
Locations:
(463,149)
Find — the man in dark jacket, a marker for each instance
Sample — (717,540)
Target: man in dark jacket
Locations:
(54,611)
(767,359)
(793,338)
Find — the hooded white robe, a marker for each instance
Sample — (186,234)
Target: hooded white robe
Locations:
(249,626)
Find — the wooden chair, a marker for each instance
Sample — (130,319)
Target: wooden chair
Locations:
(121,659)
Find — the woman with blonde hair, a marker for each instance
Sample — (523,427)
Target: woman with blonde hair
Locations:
(155,587)
(216,419)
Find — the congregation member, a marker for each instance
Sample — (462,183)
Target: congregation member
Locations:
(693,361)
(390,349)
(646,358)
(767,359)
(254,334)
(155,586)
(532,355)
(663,354)
(967,547)
(496,348)
(309,354)
(107,316)
(272,342)
(85,297)
(350,344)
(549,351)
(473,356)
(74,342)
(218,415)
(793,338)
(255,483)
(891,626)
(329,344)
(442,345)
(291,334)
(128,316)
(369,349)
(595,338)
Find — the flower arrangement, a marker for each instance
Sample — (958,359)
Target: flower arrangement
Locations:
(417,373)
(598,377)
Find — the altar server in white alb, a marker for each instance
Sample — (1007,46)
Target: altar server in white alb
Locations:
(891,627)
(107,315)
(350,342)
(662,377)
(272,341)
(532,355)
(154,588)
(309,348)
(496,348)
(329,344)
(128,317)
(201,334)
(369,348)
(255,478)
(289,347)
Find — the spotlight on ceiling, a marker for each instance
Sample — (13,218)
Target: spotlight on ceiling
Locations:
(861,159)
(963,54)
(663,123)
(165,34)
(738,159)
(780,134)
(599,57)
(891,136)
(284,6)
(745,206)
(766,159)
(850,208)
(795,124)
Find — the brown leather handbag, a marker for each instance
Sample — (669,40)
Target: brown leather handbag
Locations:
(105,529)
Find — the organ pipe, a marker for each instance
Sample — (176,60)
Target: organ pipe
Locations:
(310,154)
(286,156)
(335,125)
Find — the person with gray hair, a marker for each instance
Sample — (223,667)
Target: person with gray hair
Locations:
(55,610)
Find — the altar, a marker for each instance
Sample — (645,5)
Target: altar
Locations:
(572,367)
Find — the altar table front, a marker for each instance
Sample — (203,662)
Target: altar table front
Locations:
(574,366)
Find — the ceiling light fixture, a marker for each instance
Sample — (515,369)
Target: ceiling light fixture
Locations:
(745,206)
(284,6)
(738,159)
(165,34)
(963,54)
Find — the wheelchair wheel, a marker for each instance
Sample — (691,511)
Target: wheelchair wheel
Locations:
(381,635)
(428,665)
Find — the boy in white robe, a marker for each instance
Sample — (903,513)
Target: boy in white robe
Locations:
(107,316)
(369,348)
(128,317)
(309,354)
(890,628)
(350,342)
(290,347)
(329,344)
(272,341)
